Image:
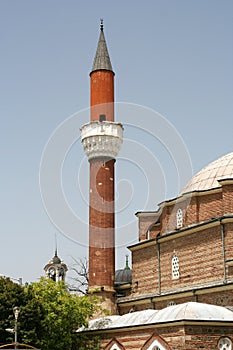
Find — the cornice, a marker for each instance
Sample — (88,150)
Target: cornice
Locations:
(182,232)
(175,295)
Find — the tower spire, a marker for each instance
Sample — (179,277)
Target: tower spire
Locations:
(56,269)
(55,244)
(101,24)
(102,60)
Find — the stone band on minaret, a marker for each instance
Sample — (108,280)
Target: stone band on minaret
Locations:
(102,139)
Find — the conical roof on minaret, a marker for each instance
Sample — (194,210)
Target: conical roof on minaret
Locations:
(102,59)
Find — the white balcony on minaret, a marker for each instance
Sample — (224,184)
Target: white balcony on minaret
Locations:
(102,139)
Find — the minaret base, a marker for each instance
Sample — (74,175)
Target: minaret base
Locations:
(106,300)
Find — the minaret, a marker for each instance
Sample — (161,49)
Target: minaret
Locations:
(102,139)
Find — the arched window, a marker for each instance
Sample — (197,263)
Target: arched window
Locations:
(115,347)
(155,342)
(225,344)
(179,218)
(175,267)
(171,303)
(156,346)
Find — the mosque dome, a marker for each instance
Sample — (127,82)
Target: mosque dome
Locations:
(123,276)
(208,177)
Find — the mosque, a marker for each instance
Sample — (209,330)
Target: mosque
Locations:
(179,292)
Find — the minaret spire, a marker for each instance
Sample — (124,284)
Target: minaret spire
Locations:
(102,59)
(101,24)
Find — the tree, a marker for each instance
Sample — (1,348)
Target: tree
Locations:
(62,314)
(49,314)
(80,267)
(11,295)
(32,314)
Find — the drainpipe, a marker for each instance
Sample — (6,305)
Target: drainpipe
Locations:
(195,296)
(223,251)
(148,234)
(159,266)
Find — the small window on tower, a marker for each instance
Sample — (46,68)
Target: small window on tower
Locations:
(102,117)
(175,267)
(179,218)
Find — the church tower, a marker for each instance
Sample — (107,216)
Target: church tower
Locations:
(56,269)
(102,139)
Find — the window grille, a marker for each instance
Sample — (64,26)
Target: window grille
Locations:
(156,346)
(179,218)
(175,267)
(225,344)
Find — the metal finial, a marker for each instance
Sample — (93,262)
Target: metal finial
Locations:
(101,24)
(55,244)
(127,263)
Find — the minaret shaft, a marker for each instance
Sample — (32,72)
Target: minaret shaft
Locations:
(101,225)
(102,94)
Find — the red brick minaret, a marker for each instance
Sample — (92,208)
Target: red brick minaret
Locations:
(102,139)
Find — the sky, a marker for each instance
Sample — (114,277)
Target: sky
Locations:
(173,64)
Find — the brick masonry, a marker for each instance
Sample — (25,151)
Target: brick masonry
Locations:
(177,337)
(102,94)
(101,225)
(200,251)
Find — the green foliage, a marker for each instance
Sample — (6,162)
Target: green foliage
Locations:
(11,294)
(62,313)
(49,314)
(88,343)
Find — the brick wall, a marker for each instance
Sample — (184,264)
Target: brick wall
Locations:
(200,259)
(144,223)
(196,208)
(200,262)
(223,298)
(171,337)
(145,270)
(205,337)
(227,198)
(210,206)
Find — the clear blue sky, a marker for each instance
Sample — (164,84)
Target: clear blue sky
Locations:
(174,57)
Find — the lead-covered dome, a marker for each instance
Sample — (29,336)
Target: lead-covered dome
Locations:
(123,276)
(208,177)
